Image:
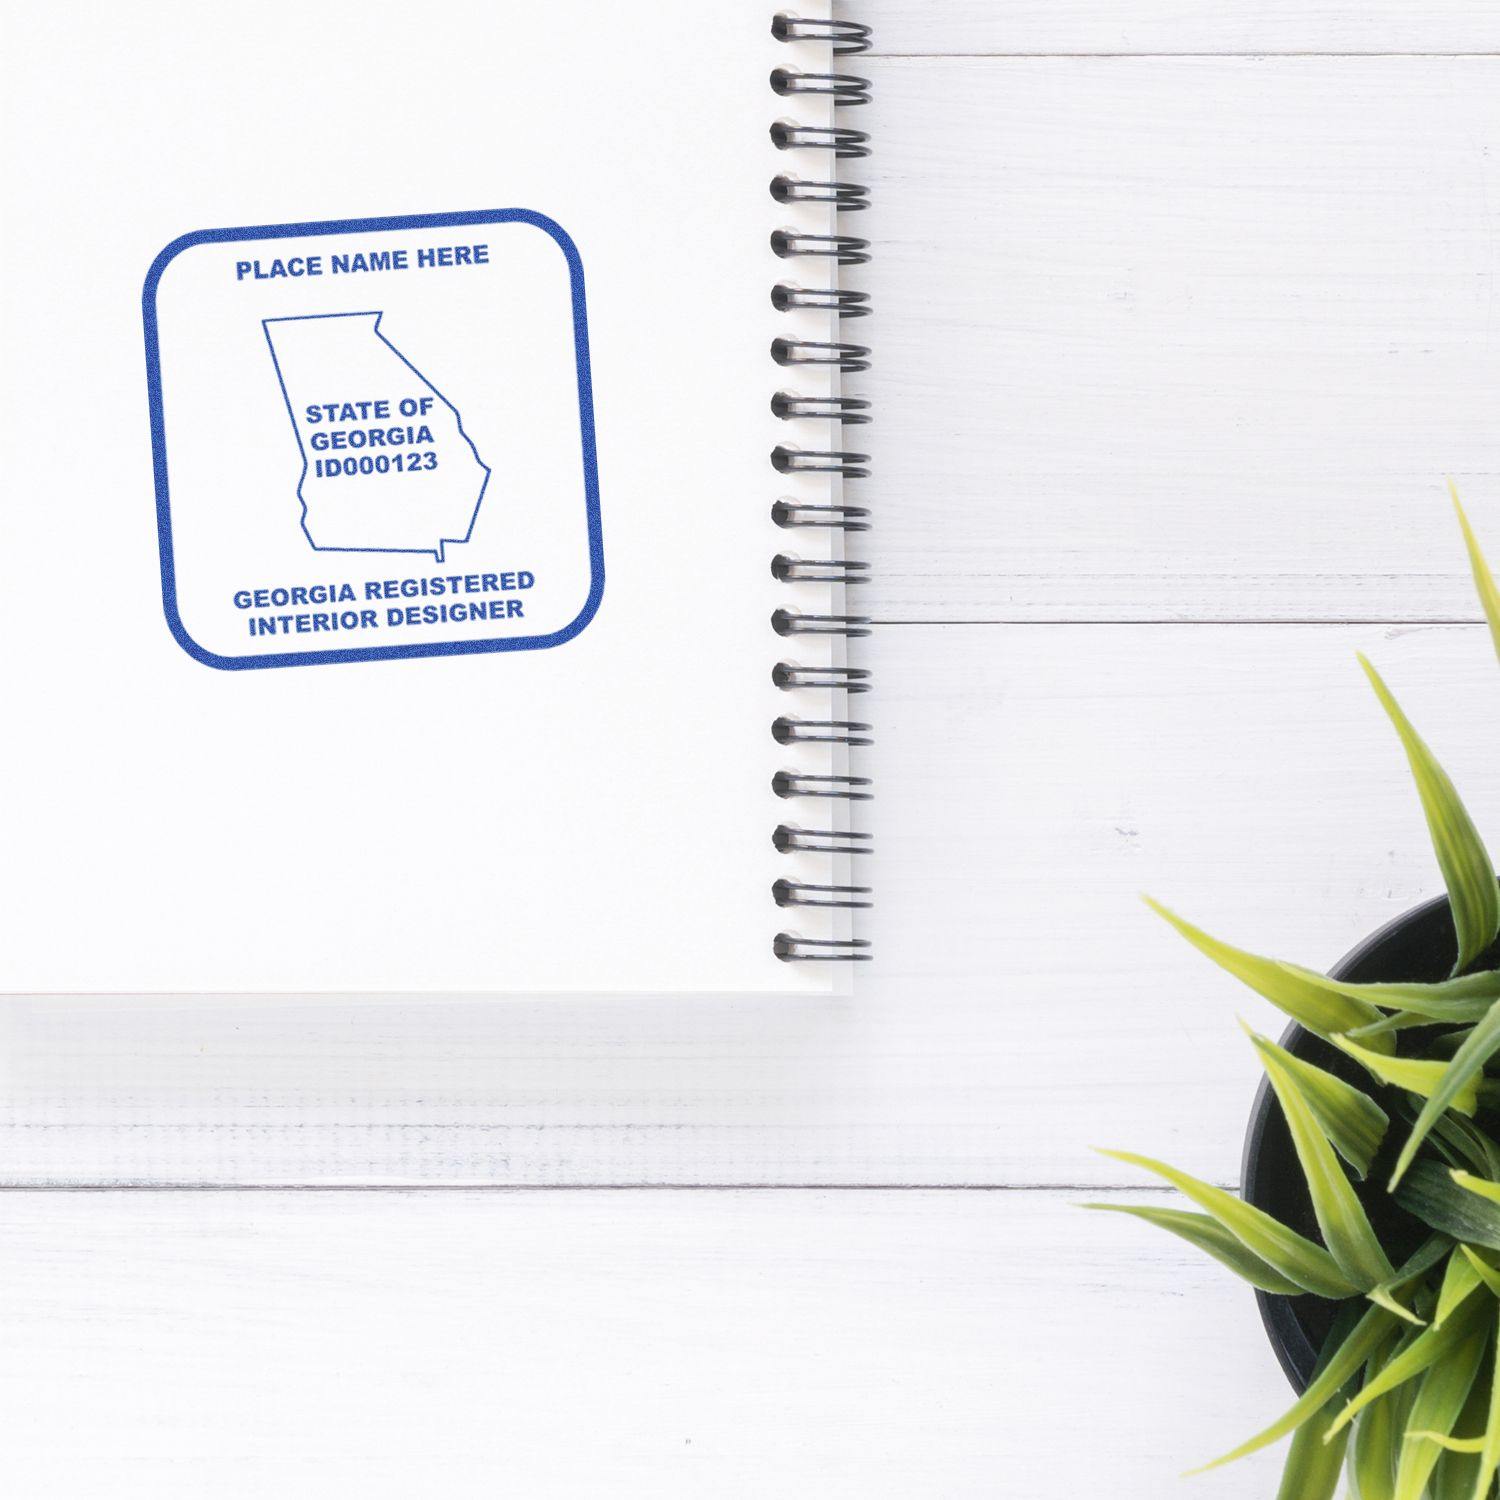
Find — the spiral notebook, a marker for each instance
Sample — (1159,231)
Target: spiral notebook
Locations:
(429,498)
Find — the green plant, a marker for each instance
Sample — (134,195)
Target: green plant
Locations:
(1406,1393)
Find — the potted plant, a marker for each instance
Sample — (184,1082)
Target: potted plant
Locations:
(1370,1217)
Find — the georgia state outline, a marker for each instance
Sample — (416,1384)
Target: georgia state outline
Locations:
(386,463)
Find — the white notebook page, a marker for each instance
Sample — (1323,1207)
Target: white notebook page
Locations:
(204,788)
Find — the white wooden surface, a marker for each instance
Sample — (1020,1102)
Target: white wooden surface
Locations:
(1175,347)
(732,1345)
(1182,338)
(947,28)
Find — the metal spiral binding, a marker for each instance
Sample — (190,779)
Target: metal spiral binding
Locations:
(786,298)
(800,893)
(845,788)
(789,515)
(786,674)
(845,88)
(788,839)
(847,36)
(836,142)
(794,950)
(849,410)
(847,197)
(843,142)
(819,461)
(844,248)
(787,731)
(850,358)
(789,622)
(821,570)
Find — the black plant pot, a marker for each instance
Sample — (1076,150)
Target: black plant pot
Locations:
(1418,946)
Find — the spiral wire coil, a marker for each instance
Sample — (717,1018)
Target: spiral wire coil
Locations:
(837,142)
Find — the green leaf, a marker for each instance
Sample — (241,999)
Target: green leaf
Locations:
(1445,1389)
(1487,1273)
(1341,1216)
(1468,1062)
(1417,1075)
(1377,1437)
(1383,1296)
(1298,1259)
(1400,1020)
(1213,1239)
(1350,1118)
(1459,1000)
(1317,1003)
(1483,1141)
(1311,1471)
(1428,1348)
(1312,1467)
(1484,582)
(1470,1142)
(1432,1196)
(1468,871)
(1489,1453)
(1427,1255)
(1480,1185)
(1450,1444)
(1362,1342)
(1458,1281)
(1458,1466)
(1490,1445)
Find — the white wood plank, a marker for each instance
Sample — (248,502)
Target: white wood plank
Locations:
(1181,339)
(1172,26)
(1031,781)
(553,1345)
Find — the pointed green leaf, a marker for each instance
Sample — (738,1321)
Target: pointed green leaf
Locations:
(1311,1470)
(1459,1000)
(1480,1185)
(1484,582)
(1469,1142)
(1363,1341)
(1489,1453)
(1458,1466)
(1429,1347)
(1350,1118)
(1431,1195)
(1445,1389)
(1451,1444)
(1383,1296)
(1454,1148)
(1213,1239)
(1312,1467)
(1417,1075)
(1428,1254)
(1377,1436)
(1458,1281)
(1298,1259)
(1486,1271)
(1468,1062)
(1401,1020)
(1341,1216)
(1318,1003)
(1468,871)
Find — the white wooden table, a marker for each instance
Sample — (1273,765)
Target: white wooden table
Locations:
(1184,313)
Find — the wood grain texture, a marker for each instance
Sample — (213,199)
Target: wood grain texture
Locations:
(851,1346)
(1173,26)
(1182,339)
(1032,781)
